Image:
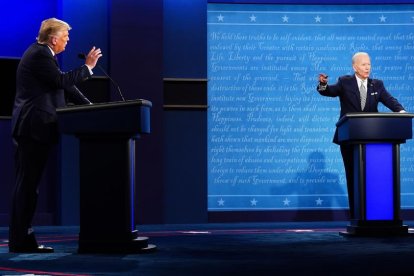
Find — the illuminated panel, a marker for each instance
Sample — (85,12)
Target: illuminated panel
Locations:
(379,182)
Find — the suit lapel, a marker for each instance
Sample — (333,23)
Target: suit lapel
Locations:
(369,91)
(357,96)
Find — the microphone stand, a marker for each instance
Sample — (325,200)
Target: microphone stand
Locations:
(83,56)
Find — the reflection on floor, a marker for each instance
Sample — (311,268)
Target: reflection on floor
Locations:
(222,249)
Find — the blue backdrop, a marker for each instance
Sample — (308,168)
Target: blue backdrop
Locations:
(20,22)
(270,133)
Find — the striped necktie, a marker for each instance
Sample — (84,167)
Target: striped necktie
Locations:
(363,94)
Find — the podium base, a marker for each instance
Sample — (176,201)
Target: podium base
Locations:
(375,229)
(134,246)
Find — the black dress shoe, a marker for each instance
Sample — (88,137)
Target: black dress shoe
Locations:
(39,249)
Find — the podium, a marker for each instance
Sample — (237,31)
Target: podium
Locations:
(376,139)
(107,133)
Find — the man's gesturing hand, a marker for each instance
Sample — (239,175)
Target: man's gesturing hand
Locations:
(92,57)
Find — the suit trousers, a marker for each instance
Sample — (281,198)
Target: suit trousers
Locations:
(347,152)
(30,160)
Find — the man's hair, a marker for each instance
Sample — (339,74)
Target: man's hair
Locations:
(357,55)
(50,27)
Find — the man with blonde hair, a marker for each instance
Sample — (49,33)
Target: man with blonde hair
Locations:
(41,87)
(357,93)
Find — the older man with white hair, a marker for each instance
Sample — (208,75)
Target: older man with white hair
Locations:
(357,93)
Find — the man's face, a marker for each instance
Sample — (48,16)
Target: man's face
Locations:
(60,40)
(362,66)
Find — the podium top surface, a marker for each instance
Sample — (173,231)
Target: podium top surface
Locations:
(355,115)
(101,106)
(113,118)
(374,127)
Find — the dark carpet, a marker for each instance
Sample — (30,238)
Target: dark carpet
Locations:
(223,249)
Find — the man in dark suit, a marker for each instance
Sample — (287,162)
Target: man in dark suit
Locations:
(40,88)
(357,93)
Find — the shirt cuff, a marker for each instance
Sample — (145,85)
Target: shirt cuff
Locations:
(322,87)
(90,69)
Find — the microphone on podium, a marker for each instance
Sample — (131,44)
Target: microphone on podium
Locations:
(83,56)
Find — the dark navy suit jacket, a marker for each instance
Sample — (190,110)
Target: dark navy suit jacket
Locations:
(348,92)
(41,88)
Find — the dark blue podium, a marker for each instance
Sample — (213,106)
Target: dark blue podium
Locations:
(107,133)
(376,139)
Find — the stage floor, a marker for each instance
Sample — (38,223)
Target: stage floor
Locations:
(311,248)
